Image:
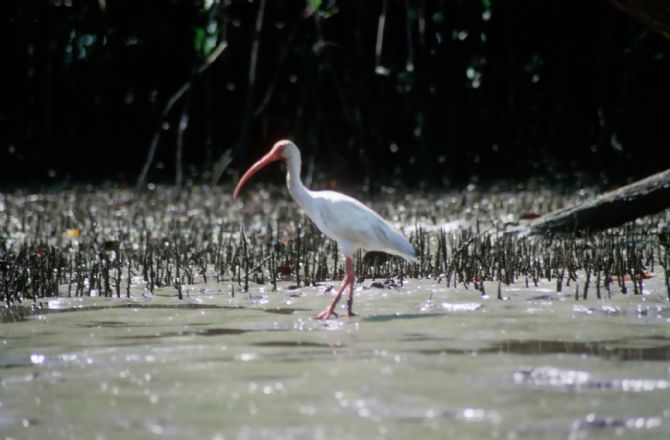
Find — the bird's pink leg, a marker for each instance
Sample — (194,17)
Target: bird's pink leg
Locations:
(349,278)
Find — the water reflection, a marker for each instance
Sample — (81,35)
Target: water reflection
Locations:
(623,350)
(458,366)
(551,377)
(593,422)
(616,349)
(292,344)
(400,316)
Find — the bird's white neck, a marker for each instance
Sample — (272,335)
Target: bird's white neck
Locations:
(295,187)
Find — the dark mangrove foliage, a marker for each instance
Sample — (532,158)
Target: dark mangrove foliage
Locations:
(424,92)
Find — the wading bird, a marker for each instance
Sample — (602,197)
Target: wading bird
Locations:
(342,218)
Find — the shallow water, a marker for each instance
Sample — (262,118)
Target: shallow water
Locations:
(422,361)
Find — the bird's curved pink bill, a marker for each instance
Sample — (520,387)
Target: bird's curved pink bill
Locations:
(272,156)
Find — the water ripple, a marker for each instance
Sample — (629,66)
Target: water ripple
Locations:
(568,380)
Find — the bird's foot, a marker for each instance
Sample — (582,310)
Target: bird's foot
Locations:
(326,314)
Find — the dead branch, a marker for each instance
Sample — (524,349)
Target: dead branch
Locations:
(644,197)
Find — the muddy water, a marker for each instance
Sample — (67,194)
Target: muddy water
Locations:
(419,361)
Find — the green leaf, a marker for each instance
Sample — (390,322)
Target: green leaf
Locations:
(486,4)
(315,4)
(199,38)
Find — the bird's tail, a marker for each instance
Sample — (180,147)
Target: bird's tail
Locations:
(402,248)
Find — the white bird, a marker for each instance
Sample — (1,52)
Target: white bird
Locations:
(342,218)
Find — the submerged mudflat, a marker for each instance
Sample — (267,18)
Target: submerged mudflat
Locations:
(433,352)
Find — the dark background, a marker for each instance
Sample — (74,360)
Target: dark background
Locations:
(461,90)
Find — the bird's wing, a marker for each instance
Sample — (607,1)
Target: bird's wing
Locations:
(347,220)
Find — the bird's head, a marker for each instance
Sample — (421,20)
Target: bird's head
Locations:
(282,150)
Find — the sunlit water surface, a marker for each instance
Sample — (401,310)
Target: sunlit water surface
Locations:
(419,361)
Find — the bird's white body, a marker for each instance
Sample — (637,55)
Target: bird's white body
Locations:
(353,225)
(342,218)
